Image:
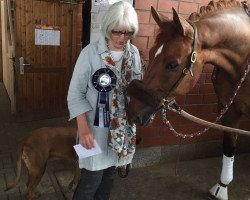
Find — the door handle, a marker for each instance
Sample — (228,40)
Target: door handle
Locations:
(22,64)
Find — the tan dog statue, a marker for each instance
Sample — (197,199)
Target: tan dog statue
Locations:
(40,145)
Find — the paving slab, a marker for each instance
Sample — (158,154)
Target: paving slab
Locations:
(189,180)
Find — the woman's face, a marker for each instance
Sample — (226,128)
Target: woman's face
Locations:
(118,38)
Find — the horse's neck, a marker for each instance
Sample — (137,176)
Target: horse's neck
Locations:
(225,39)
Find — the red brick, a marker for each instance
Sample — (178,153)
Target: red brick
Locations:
(199,109)
(208,78)
(192,1)
(167,16)
(195,89)
(202,2)
(211,134)
(187,8)
(168,137)
(181,99)
(145,54)
(145,4)
(152,142)
(148,132)
(208,68)
(194,99)
(156,31)
(210,98)
(140,42)
(151,41)
(202,78)
(166,6)
(146,30)
(206,88)
(143,16)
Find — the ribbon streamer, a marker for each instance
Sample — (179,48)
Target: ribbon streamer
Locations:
(104,80)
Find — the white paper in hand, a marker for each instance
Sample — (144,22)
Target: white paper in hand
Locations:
(84,153)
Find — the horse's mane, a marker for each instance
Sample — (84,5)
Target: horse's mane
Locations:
(212,7)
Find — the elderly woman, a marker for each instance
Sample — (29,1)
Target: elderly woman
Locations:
(96,98)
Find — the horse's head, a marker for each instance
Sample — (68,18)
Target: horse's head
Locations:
(172,70)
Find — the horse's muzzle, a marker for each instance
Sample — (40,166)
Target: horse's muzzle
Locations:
(138,90)
(143,103)
(141,117)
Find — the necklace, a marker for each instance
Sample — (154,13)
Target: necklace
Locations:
(115,55)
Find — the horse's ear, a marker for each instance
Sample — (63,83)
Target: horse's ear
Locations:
(159,19)
(183,26)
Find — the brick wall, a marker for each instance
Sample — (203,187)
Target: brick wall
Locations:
(200,101)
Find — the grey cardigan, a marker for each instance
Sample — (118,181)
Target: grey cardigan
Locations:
(82,98)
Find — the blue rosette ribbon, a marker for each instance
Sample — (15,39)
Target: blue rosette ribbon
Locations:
(103,80)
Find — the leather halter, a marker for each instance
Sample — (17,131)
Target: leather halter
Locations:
(188,69)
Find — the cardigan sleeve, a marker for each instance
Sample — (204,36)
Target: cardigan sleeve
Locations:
(77,102)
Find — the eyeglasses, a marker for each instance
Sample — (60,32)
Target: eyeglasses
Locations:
(120,33)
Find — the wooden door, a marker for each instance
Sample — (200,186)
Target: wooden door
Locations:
(41,88)
(1,52)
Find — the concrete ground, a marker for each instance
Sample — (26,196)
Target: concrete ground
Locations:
(189,180)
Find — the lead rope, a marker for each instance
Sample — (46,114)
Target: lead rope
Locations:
(173,105)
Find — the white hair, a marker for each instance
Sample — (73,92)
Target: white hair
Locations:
(120,14)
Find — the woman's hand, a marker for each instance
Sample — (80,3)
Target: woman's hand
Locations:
(86,138)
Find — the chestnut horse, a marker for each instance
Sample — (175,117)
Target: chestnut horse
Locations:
(218,35)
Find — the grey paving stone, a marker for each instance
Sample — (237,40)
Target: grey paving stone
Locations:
(7,161)
(3,197)
(5,148)
(9,178)
(64,178)
(49,196)
(2,183)
(15,196)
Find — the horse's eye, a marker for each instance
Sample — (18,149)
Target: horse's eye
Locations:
(172,65)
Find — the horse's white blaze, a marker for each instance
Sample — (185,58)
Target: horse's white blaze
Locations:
(227,170)
(159,51)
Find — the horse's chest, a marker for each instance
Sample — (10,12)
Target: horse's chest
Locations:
(226,89)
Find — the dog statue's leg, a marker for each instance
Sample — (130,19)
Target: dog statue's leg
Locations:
(18,167)
(77,172)
(34,177)
(36,166)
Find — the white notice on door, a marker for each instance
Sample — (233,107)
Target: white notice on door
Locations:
(47,37)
